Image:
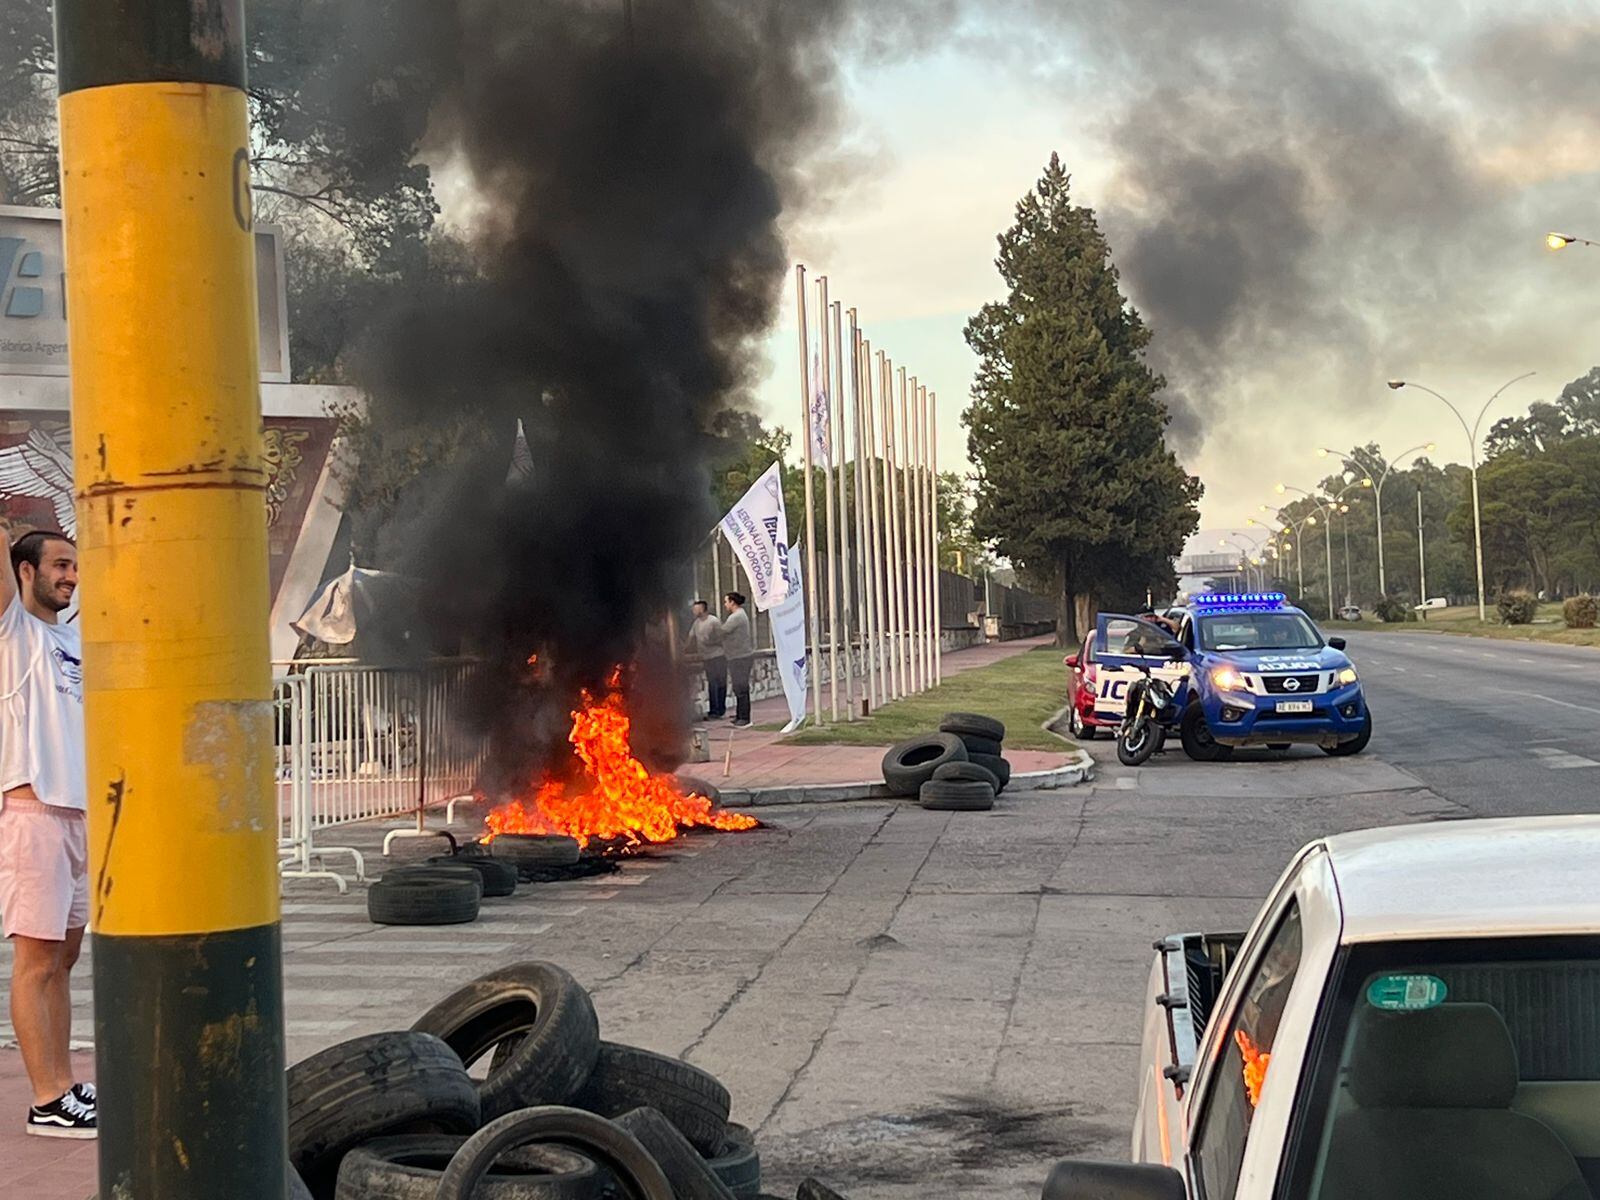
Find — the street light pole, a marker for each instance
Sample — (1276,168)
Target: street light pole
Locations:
(1322,504)
(1472,445)
(1422,562)
(1377,489)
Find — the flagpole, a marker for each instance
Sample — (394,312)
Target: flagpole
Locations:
(930,559)
(863,560)
(811,512)
(920,567)
(892,508)
(907,613)
(826,425)
(938,579)
(880,609)
(847,591)
(914,526)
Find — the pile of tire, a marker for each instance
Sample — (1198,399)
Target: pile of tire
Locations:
(449,889)
(559,1114)
(961,768)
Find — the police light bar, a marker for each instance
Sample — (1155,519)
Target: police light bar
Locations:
(1239,599)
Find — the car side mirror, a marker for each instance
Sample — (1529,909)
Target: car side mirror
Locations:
(1175,651)
(1082,1180)
(1338,643)
(1071,660)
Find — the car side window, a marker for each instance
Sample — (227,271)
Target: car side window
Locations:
(1223,1130)
(1186,633)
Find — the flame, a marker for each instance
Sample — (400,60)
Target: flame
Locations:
(1256,1061)
(616,795)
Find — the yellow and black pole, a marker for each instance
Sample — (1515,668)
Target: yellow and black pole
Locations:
(172,528)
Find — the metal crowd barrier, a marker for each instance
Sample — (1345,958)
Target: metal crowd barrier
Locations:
(358,742)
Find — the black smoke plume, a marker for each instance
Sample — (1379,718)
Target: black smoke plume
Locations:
(630,162)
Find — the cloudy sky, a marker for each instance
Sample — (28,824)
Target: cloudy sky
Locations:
(1304,199)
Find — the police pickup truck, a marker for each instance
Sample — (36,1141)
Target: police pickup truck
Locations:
(1250,670)
(1414,1015)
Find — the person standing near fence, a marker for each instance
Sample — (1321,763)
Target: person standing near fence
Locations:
(703,646)
(44,854)
(739,644)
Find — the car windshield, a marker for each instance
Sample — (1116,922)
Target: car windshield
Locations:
(1258,631)
(1464,1069)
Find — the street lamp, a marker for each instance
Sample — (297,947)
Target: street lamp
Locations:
(1428,448)
(1472,445)
(1327,505)
(1560,241)
(1257,557)
(1299,553)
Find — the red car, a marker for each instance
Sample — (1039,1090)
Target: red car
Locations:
(1082,719)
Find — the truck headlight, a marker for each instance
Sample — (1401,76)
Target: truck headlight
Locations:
(1346,675)
(1226,679)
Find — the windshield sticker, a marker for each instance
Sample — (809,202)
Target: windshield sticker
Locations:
(1406,993)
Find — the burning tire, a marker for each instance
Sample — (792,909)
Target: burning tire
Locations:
(739,1164)
(535,849)
(956,795)
(967,725)
(636,1174)
(366,1088)
(689,1174)
(696,786)
(410,1168)
(538,1021)
(626,1078)
(415,898)
(499,878)
(970,772)
(911,764)
(998,765)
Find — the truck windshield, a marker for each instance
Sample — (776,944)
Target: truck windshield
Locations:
(1467,1069)
(1258,631)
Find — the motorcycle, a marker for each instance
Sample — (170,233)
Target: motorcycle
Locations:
(1151,709)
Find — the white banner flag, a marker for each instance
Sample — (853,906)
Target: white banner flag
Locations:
(789,645)
(758,529)
(821,423)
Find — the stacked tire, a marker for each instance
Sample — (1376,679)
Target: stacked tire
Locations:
(961,768)
(449,889)
(559,1113)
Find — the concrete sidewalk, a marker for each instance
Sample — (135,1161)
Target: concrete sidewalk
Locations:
(760,759)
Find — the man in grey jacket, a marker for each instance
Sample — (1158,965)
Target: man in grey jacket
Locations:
(704,646)
(739,644)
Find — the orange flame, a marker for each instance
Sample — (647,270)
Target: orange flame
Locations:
(1256,1061)
(617,797)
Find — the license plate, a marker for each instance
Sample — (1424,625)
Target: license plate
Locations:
(1292,706)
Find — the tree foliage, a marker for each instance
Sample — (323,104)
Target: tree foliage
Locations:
(1066,426)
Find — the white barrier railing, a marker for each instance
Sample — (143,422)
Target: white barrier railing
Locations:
(358,742)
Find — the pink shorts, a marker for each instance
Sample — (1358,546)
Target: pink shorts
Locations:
(44,870)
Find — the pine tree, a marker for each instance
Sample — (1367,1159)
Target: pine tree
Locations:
(1066,426)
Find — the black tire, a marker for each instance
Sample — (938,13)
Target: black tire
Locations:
(1078,728)
(626,1078)
(371,1087)
(499,878)
(971,772)
(412,898)
(1356,744)
(432,870)
(912,763)
(981,745)
(543,1019)
(1198,743)
(696,786)
(739,1163)
(637,1175)
(972,725)
(686,1170)
(409,1168)
(956,795)
(997,765)
(535,849)
(1137,743)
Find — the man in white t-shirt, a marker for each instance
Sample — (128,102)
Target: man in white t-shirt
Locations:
(44,856)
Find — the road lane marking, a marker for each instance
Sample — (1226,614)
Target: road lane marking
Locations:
(1560,760)
(1552,700)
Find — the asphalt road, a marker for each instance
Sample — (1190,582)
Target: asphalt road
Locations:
(1499,728)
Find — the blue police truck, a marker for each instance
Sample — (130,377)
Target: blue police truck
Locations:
(1252,670)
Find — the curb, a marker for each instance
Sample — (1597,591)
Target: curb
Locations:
(1079,770)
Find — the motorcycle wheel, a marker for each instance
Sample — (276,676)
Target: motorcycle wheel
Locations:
(1136,742)
(1198,743)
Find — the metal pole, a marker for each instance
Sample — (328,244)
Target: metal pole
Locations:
(823,310)
(1347,558)
(847,601)
(907,610)
(160,277)
(864,622)
(938,579)
(877,609)
(1383,589)
(891,511)
(919,633)
(1477,532)
(925,579)
(812,620)
(1327,538)
(1422,561)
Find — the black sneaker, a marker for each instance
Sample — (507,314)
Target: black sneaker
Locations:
(64,1117)
(741,724)
(86,1093)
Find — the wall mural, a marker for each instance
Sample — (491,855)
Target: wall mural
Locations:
(36,476)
